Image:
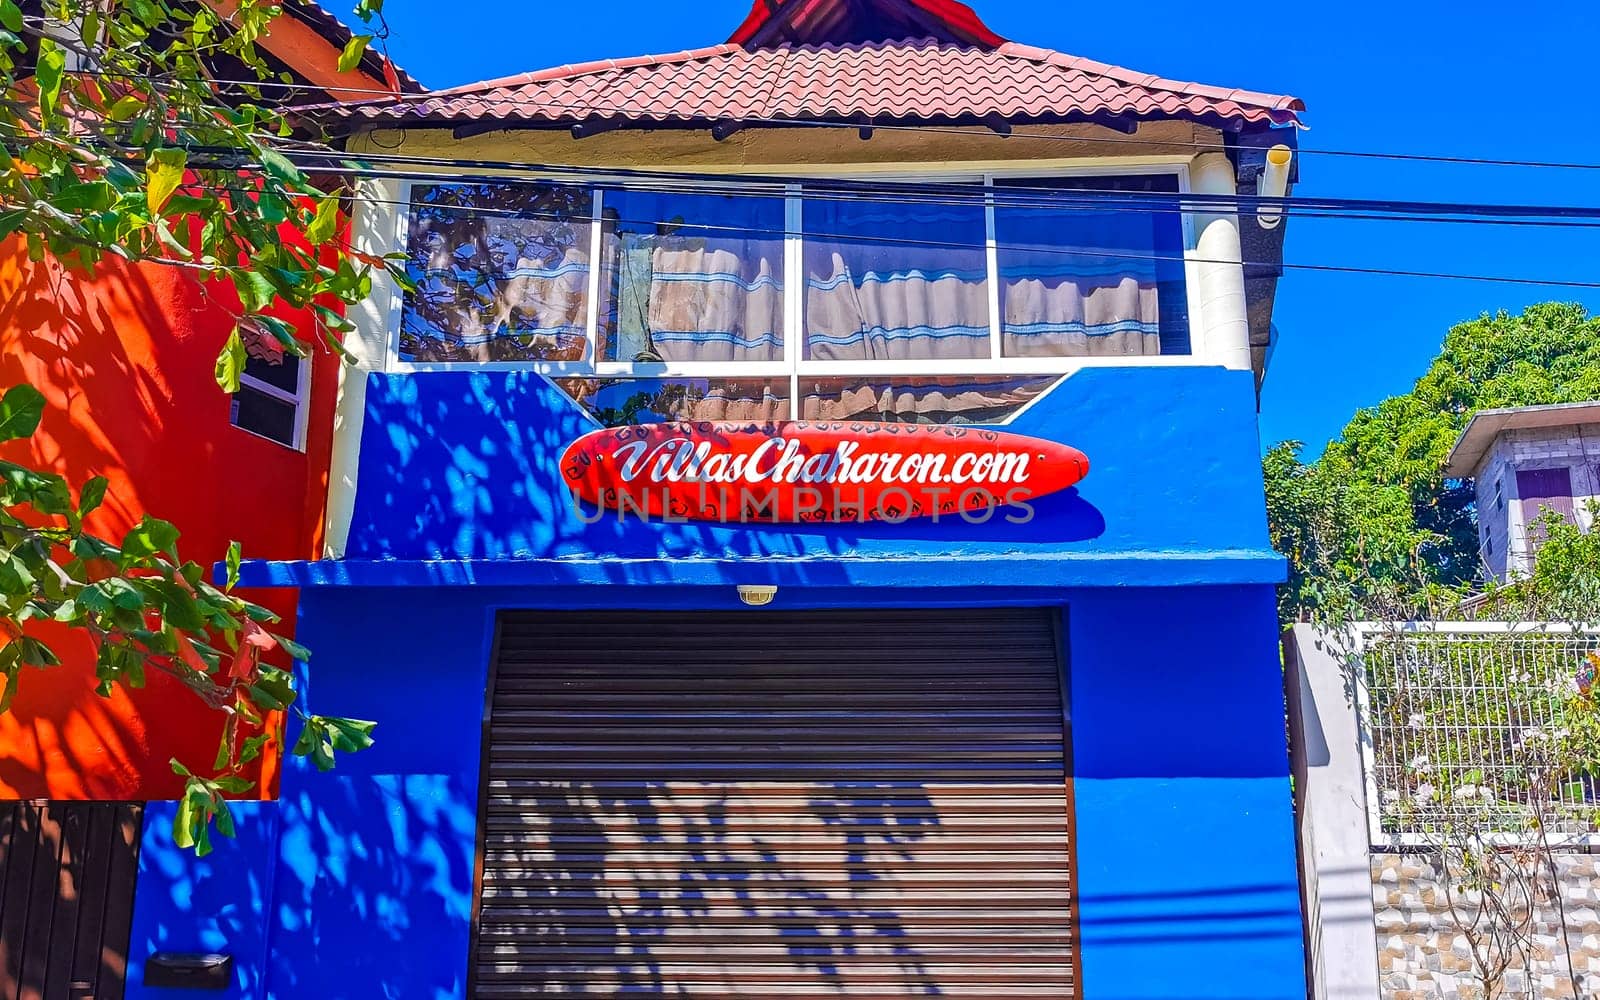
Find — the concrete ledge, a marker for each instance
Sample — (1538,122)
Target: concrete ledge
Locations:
(1140,569)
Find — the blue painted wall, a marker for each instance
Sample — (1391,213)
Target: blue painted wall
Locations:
(458,465)
(1186,861)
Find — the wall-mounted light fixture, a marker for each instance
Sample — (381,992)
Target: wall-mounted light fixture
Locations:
(757,595)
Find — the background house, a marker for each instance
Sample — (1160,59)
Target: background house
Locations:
(1524,460)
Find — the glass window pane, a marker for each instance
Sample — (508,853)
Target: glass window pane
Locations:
(502,273)
(965,399)
(624,401)
(280,369)
(691,278)
(1080,280)
(890,281)
(262,414)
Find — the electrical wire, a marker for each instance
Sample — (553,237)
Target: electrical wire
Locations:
(1042,249)
(936,193)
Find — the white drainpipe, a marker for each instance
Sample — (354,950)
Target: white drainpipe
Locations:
(1273,183)
(1219,269)
(375,227)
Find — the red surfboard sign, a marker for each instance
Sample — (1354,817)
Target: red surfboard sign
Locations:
(803,471)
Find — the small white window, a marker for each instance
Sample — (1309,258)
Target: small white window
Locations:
(273,390)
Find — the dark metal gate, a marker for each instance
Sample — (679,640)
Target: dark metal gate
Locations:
(67,872)
(772,804)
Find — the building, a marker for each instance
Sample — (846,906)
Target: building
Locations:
(1524,460)
(1005,752)
(125,360)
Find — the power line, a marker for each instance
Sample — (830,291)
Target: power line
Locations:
(1031,248)
(1006,194)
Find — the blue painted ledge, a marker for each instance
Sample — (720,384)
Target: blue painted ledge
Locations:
(1099,569)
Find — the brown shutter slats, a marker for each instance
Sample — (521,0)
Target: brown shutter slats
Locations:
(67,873)
(776,804)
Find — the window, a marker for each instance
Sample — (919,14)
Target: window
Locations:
(691,278)
(1090,274)
(501,273)
(272,392)
(956,303)
(895,282)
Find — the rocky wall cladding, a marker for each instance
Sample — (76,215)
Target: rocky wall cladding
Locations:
(1422,955)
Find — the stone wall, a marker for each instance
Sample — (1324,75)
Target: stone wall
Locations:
(1422,956)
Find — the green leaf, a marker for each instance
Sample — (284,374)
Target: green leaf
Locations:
(163,173)
(126,108)
(149,537)
(350,735)
(47,492)
(48,73)
(183,824)
(21,409)
(251,748)
(92,495)
(274,689)
(353,50)
(10,15)
(325,222)
(234,785)
(293,648)
(231,362)
(281,168)
(232,561)
(255,290)
(36,654)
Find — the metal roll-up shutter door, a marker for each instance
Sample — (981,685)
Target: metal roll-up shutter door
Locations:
(776,804)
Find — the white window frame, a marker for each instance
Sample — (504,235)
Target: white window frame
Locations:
(793,366)
(299,399)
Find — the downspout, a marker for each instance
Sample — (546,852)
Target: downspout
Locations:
(1219,268)
(375,224)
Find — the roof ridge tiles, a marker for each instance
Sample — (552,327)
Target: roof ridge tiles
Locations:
(907,79)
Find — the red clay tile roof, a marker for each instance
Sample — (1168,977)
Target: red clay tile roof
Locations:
(820,22)
(878,82)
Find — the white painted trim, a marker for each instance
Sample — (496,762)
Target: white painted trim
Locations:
(991,250)
(597,245)
(378,226)
(794,291)
(779,369)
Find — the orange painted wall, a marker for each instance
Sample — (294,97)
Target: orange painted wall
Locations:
(125,361)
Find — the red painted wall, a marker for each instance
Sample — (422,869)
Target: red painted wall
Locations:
(125,360)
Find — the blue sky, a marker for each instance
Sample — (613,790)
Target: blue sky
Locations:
(1463,78)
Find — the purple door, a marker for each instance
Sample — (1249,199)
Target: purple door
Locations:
(1540,489)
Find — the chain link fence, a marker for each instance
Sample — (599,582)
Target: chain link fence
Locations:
(1470,726)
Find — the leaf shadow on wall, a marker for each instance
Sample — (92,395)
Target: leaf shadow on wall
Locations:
(86,344)
(467,465)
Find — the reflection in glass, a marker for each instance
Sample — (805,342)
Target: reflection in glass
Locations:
(502,273)
(691,278)
(1081,281)
(894,282)
(624,401)
(961,399)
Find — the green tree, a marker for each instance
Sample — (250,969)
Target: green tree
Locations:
(125,133)
(1373,528)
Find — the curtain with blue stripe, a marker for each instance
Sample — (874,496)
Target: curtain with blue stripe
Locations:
(1082,272)
(692,278)
(894,282)
(501,273)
